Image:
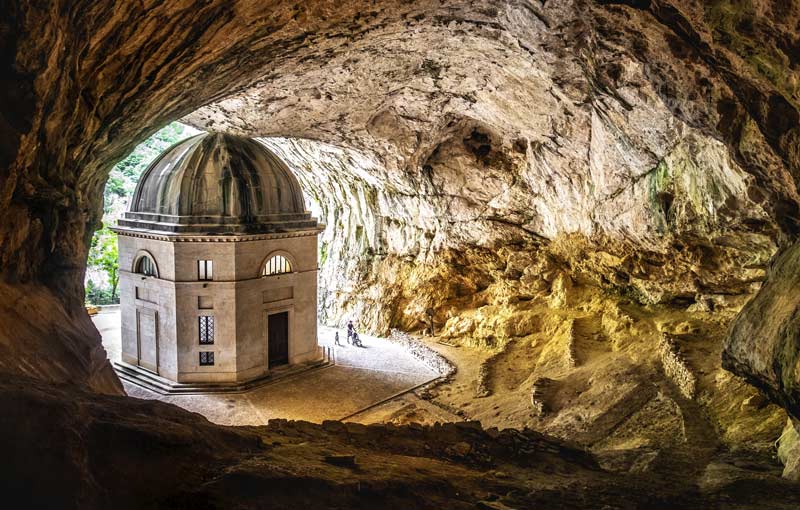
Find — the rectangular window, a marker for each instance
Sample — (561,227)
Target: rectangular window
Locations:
(205,270)
(206,359)
(206,329)
(145,294)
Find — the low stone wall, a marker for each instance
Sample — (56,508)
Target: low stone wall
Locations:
(570,358)
(483,388)
(675,366)
(425,354)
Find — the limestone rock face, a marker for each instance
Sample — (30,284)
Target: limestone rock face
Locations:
(789,450)
(763,342)
(625,127)
(563,125)
(649,147)
(44,339)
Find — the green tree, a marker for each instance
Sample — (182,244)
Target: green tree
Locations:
(91,292)
(116,186)
(104,254)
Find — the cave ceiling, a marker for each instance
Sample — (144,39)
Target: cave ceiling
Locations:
(590,171)
(529,119)
(668,128)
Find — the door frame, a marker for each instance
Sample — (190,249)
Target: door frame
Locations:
(282,339)
(139,311)
(270,310)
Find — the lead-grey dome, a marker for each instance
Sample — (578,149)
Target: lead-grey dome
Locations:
(217,183)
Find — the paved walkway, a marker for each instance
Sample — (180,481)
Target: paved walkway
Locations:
(361,377)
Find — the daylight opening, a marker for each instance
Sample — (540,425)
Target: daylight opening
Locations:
(102,266)
(205,320)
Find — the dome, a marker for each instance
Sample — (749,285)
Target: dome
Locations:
(215,183)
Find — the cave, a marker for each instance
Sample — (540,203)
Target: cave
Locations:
(583,215)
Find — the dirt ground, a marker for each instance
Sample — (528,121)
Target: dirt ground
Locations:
(609,376)
(360,378)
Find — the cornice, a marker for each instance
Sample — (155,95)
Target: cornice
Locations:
(194,238)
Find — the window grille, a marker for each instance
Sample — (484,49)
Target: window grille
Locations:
(205,270)
(277,265)
(206,358)
(146,266)
(206,329)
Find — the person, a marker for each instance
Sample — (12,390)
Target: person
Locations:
(430,312)
(336,339)
(357,340)
(350,331)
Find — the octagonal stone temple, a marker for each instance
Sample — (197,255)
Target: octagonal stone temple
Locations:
(218,267)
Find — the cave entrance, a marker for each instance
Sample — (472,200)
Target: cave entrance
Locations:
(102,267)
(201,316)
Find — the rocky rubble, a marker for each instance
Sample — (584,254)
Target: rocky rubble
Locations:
(538,389)
(422,352)
(92,451)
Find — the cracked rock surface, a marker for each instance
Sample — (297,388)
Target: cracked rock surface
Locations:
(621,125)
(470,159)
(654,130)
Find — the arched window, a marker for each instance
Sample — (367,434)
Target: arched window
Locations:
(146,266)
(276,265)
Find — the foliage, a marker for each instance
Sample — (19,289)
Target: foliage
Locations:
(125,174)
(104,255)
(103,265)
(98,295)
(323,253)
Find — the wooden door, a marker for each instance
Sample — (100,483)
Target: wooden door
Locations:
(147,336)
(278,338)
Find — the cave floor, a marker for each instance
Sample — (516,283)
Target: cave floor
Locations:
(360,378)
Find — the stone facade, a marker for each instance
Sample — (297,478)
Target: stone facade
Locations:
(239,298)
(200,309)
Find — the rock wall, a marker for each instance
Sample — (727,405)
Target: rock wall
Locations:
(675,367)
(789,450)
(387,256)
(607,146)
(650,146)
(764,341)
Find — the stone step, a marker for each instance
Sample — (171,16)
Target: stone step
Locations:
(150,381)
